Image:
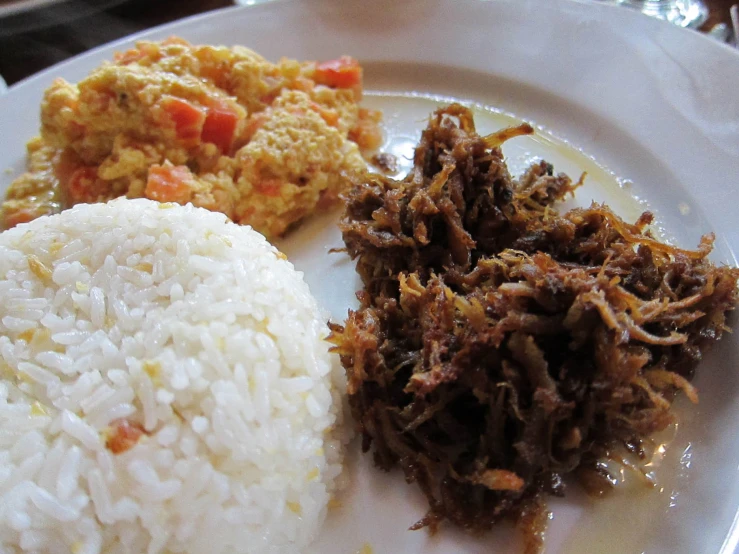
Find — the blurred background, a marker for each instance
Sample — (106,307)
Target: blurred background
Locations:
(35,34)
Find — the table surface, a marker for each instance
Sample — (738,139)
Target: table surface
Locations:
(29,43)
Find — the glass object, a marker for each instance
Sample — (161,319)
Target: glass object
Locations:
(685,13)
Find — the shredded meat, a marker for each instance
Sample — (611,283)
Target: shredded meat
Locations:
(385,162)
(499,345)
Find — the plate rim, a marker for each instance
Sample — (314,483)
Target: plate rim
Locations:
(151,31)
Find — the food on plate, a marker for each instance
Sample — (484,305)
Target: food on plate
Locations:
(166,386)
(501,345)
(264,143)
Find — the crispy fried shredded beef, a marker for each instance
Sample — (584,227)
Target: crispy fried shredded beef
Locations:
(499,345)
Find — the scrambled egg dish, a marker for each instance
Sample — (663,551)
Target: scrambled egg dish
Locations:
(223,128)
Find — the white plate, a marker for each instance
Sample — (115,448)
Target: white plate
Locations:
(655,104)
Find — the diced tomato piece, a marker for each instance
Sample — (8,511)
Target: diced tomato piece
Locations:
(342,73)
(188,119)
(124,435)
(81,186)
(220,126)
(268,187)
(168,183)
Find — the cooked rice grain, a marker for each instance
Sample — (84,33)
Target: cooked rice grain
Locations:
(165,387)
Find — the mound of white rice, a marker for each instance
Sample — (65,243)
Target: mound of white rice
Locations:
(165,387)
